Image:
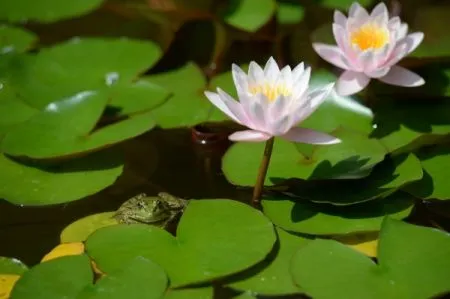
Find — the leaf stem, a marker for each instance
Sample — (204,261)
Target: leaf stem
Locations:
(262,173)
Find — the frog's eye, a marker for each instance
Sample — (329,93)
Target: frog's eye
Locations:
(141,205)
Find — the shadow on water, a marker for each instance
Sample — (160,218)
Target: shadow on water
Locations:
(160,160)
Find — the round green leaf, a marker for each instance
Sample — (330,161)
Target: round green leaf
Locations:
(412,264)
(208,231)
(42,185)
(434,183)
(274,278)
(321,219)
(343,5)
(15,39)
(188,105)
(63,277)
(12,266)
(45,10)
(289,13)
(79,230)
(139,279)
(385,178)
(190,293)
(249,15)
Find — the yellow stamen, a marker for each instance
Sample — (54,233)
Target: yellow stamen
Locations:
(370,36)
(270,91)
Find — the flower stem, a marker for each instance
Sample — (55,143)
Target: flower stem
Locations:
(262,173)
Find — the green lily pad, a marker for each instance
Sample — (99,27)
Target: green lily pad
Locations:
(436,42)
(139,279)
(245,295)
(343,5)
(15,39)
(208,231)
(68,127)
(12,266)
(434,183)
(413,263)
(190,293)
(322,219)
(289,13)
(352,158)
(274,278)
(249,15)
(188,106)
(63,277)
(399,123)
(27,184)
(80,230)
(45,10)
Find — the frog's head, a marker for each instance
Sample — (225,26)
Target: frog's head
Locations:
(150,211)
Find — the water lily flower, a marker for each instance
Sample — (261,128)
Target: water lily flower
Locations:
(369,46)
(272,102)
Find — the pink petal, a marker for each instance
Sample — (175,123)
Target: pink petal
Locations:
(380,11)
(412,41)
(402,77)
(332,54)
(217,101)
(381,72)
(314,99)
(394,24)
(340,18)
(351,82)
(309,136)
(402,31)
(357,11)
(249,135)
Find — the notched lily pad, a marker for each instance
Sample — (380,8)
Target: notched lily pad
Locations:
(409,257)
(208,231)
(386,178)
(323,219)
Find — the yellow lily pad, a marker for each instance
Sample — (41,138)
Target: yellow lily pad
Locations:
(64,249)
(7,282)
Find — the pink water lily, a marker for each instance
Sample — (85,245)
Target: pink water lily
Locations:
(369,46)
(272,102)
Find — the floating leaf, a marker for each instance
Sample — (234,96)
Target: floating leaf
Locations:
(12,266)
(351,158)
(434,183)
(15,39)
(322,219)
(409,259)
(208,231)
(64,277)
(275,277)
(66,249)
(365,243)
(79,230)
(139,279)
(188,105)
(343,5)
(7,282)
(38,185)
(249,15)
(45,11)
(190,293)
(289,13)
(385,178)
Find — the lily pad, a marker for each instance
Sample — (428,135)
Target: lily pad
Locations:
(43,185)
(386,178)
(10,265)
(412,264)
(352,158)
(46,10)
(273,277)
(76,248)
(323,219)
(15,39)
(188,106)
(249,15)
(366,243)
(79,230)
(434,183)
(139,279)
(7,282)
(208,231)
(289,13)
(68,127)
(342,4)
(64,277)
(190,293)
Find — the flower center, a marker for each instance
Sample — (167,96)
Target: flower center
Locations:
(370,36)
(272,92)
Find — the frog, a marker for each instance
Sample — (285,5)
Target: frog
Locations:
(158,210)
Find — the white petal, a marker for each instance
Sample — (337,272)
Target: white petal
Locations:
(255,73)
(298,71)
(234,106)
(340,18)
(279,107)
(412,41)
(286,77)
(397,54)
(402,31)
(249,135)
(257,111)
(380,10)
(271,70)
(240,79)
(317,96)
(309,136)
(217,101)
(378,73)
(351,82)
(402,77)
(280,125)
(313,100)
(301,84)
(332,54)
(394,24)
(357,11)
